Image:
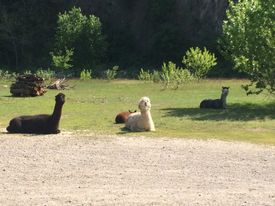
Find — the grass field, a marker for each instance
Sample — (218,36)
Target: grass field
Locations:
(91,106)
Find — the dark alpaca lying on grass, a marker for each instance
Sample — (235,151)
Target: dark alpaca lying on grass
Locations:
(123,116)
(39,124)
(216,103)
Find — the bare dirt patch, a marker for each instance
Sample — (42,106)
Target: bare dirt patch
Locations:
(77,169)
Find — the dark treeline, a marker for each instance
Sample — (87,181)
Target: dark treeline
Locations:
(142,33)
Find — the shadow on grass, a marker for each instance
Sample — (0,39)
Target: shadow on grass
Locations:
(123,130)
(234,112)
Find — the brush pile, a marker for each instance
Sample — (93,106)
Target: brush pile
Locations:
(28,85)
(59,84)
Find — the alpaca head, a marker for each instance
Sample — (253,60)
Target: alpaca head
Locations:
(60,98)
(225,91)
(144,104)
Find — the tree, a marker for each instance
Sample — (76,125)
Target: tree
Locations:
(248,40)
(27,31)
(199,62)
(83,35)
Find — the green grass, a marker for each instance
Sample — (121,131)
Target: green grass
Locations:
(91,106)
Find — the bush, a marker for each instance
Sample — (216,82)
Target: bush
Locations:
(45,74)
(6,75)
(85,74)
(144,75)
(83,35)
(155,77)
(170,75)
(174,76)
(199,62)
(111,73)
(167,73)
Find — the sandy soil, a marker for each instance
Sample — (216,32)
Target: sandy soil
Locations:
(71,169)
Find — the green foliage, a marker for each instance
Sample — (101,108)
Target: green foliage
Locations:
(86,74)
(45,74)
(112,73)
(83,35)
(167,73)
(62,61)
(170,75)
(144,75)
(26,72)
(155,76)
(173,76)
(6,75)
(199,62)
(248,40)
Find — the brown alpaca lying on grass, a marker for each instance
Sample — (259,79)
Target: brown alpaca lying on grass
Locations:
(123,116)
(39,124)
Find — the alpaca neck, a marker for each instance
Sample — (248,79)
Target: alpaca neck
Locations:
(146,114)
(57,112)
(223,99)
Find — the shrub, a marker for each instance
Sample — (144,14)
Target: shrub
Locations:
(155,77)
(181,76)
(174,76)
(26,72)
(6,75)
(112,73)
(167,73)
(45,74)
(199,62)
(144,75)
(85,74)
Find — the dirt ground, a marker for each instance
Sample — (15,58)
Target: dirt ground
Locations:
(82,169)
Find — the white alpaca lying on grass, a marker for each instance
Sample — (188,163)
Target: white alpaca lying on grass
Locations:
(141,121)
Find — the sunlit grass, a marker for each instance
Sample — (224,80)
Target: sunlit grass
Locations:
(92,105)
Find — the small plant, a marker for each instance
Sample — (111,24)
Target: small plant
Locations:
(155,77)
(45,74)
(173,76)
(85,74)
(62,61)
(181,76)
(199,62)
(144,75)
(111,73)
(26,72)
(6,75)
(167,73)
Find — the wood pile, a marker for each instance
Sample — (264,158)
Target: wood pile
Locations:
(28,85)
(58,84)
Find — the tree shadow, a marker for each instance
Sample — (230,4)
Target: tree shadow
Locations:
(234,112)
